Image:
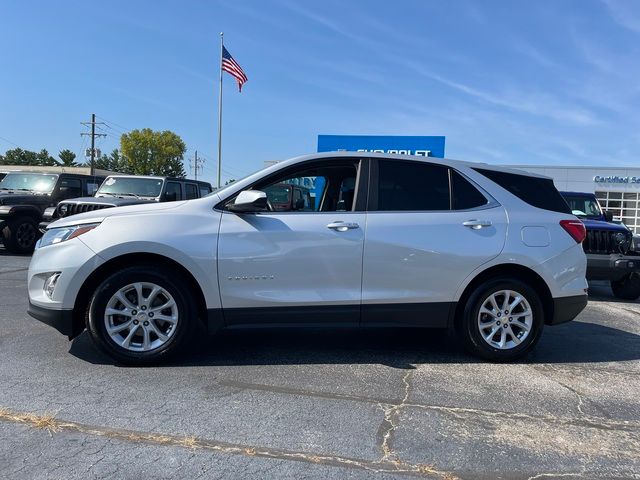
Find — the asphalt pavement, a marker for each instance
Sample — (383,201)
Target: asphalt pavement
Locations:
(321,403)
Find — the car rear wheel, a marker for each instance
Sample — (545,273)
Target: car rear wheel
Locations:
(502,320)
(628,288)
(141,315)
(20,235)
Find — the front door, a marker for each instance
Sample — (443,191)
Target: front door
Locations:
(301,262)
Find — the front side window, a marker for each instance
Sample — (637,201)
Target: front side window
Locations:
(406,185)
(328,188)
(70,188)
(173,192)
(190,191)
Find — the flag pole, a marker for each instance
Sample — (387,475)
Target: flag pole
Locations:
(220,113)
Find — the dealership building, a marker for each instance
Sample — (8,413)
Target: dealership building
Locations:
(617,188)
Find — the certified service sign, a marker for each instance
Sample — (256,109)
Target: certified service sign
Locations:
(422,146)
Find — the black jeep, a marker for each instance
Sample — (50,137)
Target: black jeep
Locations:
(24,196)
(122,190)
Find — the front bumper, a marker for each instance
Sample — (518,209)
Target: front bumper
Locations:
(61,320)
(566,309)
(611,267)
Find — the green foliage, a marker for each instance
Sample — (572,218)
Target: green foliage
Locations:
(229,182)
(113,162)
(68,158)
(18,156)
(149,152)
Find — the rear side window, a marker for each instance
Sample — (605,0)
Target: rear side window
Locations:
(412,186)
(204,190)
(464,194)
(536,191)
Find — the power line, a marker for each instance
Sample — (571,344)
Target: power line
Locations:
(93,136)
(196,164)
(114,123)
(9,141)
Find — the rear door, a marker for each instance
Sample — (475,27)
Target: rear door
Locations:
(302,263)
(428,228)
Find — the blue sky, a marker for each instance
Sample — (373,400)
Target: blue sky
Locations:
(517,82)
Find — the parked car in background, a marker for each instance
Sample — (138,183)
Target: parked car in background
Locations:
(493,254)
(122,190)
(24,196)
(609,246)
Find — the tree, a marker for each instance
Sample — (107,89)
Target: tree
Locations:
(68,158)
(44,159)
(18,156)
(113,162)
(149,152)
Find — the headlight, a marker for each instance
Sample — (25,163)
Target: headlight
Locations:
(62,234)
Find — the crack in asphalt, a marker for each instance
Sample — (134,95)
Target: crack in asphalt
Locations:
(52,425)
(388,425)
(584,421)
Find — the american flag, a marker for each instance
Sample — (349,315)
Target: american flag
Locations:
(232,67)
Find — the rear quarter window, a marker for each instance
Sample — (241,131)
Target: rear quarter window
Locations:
(537,192)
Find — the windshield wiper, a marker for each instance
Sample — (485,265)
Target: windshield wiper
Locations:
(130,195)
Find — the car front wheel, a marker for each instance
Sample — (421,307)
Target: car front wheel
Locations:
(20,235)
(628,288)
(141,315)
(502,320)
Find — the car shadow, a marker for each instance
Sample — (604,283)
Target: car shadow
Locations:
(5,253)
(402,348)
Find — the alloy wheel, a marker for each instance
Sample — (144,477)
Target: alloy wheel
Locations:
(141,317)
(505,319)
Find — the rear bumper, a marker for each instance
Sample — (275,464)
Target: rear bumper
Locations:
(61,320)
(566,309)
(611,267)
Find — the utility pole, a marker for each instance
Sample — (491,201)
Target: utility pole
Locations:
(93,136)
(198,163)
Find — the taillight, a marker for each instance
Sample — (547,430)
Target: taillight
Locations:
(575,228)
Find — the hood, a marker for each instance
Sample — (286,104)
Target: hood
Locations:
(24,198)
(111,201)
(600,225)
(97,216)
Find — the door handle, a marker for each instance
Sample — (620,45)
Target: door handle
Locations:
(477,224)
(342,226)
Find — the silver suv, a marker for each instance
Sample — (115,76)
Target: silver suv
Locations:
(491,253)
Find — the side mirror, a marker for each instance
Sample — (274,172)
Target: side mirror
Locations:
(299,204)
(608,216)
(249,201)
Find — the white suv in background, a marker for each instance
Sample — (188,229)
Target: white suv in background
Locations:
(373,240)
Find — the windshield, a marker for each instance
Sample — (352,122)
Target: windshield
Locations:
(31,182)
(140,187)
(584,206)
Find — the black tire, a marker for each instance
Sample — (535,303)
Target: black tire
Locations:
(469,330)
(627,288)
(20,235)
(165,278)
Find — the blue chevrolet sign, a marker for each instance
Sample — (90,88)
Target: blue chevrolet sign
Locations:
(403,145)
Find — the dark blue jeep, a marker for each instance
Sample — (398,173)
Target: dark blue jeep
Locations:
(609,246)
